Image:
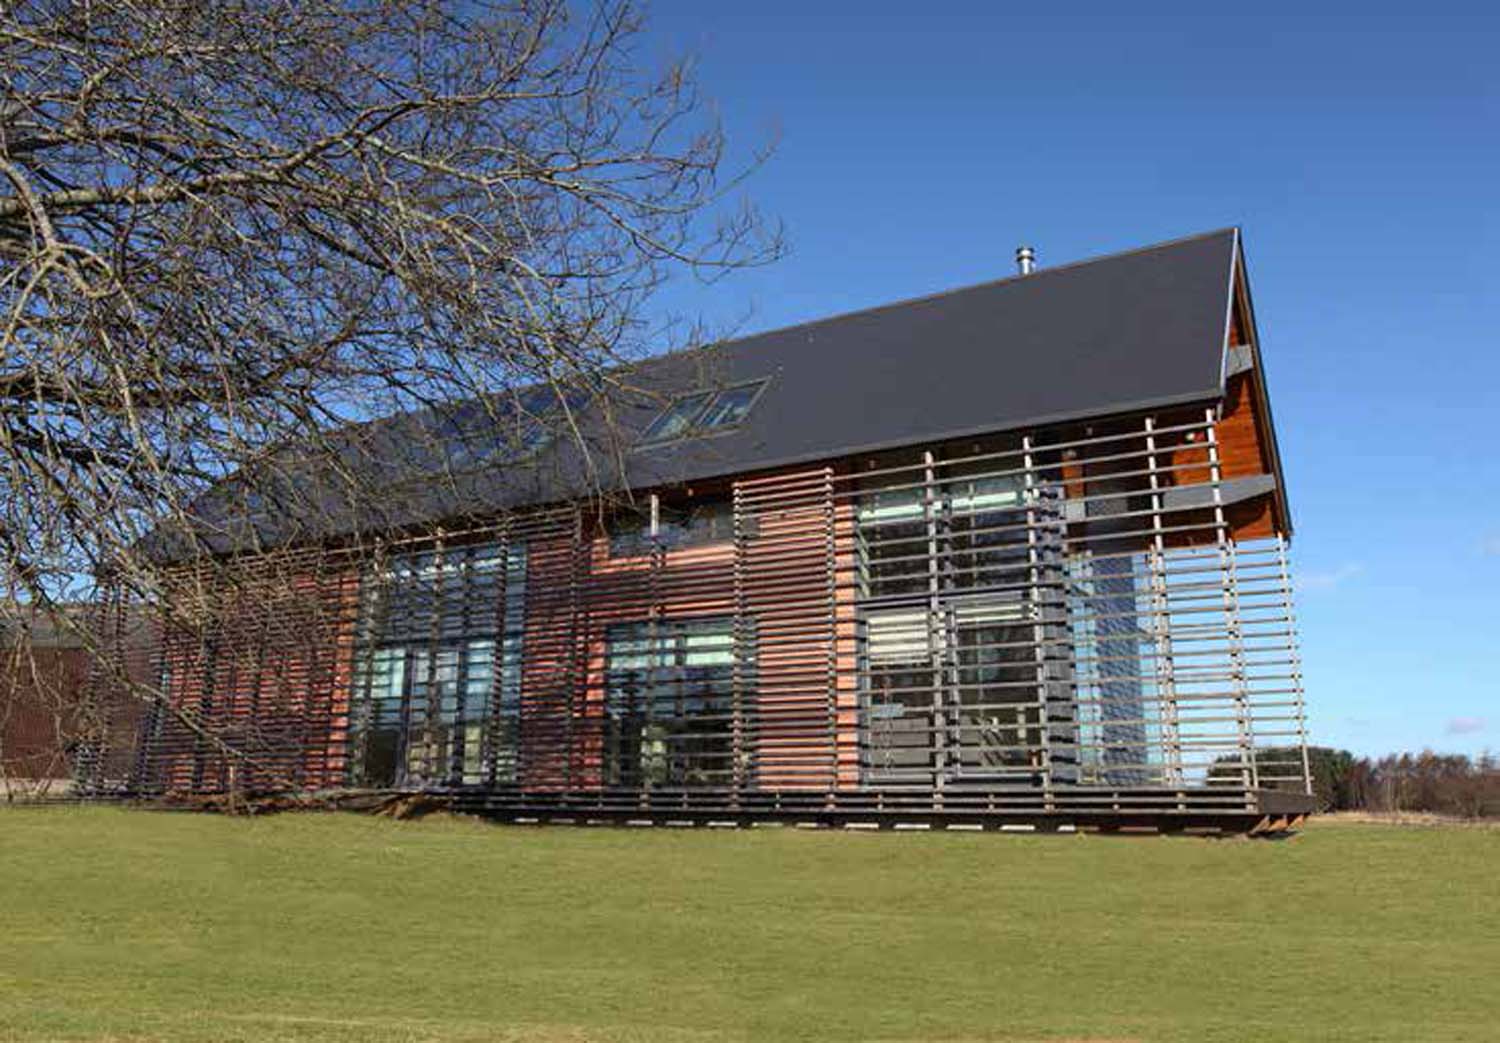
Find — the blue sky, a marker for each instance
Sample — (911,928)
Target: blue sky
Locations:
(918,145)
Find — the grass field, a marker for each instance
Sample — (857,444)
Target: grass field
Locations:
(129,925)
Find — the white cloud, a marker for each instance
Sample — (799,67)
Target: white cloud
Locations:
(1330,578)
(1465,725)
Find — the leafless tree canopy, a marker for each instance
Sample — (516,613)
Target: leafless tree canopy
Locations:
(230,227)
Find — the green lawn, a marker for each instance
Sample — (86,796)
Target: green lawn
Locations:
(130,925)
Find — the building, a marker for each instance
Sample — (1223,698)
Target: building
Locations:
(1013,554)
(55,718)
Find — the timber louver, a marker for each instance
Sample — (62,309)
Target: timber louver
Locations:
(1022,625)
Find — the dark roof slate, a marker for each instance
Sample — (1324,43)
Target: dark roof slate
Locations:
(1137,330)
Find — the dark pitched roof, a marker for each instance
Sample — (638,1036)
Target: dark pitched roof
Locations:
(1137,330)
(1130,331)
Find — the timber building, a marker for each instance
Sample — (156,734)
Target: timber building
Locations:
(1013,554)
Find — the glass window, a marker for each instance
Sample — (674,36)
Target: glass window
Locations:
(891,504)
(669,703)
(986,540)
(629,535)
(981,494)
(997,694)
(976,536)
(703,411)
(543,414)
(899,677)
(730,406)
(677,419)
(967,673)
(437,678)
(709,521)
(474,433)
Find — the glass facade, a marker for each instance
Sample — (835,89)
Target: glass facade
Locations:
(669,704)
(950,612)
(437,687)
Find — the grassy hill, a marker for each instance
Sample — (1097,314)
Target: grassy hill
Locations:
(129,925)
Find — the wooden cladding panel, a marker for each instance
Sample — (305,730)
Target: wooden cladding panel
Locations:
(1242,443)
(269,678)
(786,586)
(673,585)
(274,676)
(1253,519)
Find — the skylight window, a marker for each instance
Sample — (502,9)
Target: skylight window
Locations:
(510,428)
(541,414)
(729,406)
(703,411)
(677,419)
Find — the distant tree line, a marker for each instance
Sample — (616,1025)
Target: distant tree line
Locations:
(1435,783)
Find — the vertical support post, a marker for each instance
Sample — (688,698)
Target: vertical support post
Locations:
(1039,624)
(103,680)
(489,757)
(208,642)
(1165,667)
(742,650)
(462,570)
(579,562)
(830,520)
(654,659)
(362,708)
(1234,631)
(266,632)
(865,695)
(434,644)
(322,670)
(1294,659)
(936,635)
(144,776)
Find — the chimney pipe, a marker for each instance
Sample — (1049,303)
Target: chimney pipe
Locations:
(1025,259)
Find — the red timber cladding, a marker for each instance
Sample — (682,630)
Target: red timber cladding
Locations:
(846,637)
(786,584)
(260,662)
(41,693)
(1184,457)
(674,585)
(1243,438)
(779,577)
(558,742)
(1244,449)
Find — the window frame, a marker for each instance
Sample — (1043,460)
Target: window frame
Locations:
(438,656)
(680,527)
(649,667)
(518,428)
(695,426)
(757,388)
(647,438)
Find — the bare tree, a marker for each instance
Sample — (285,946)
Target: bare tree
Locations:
(231,228)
